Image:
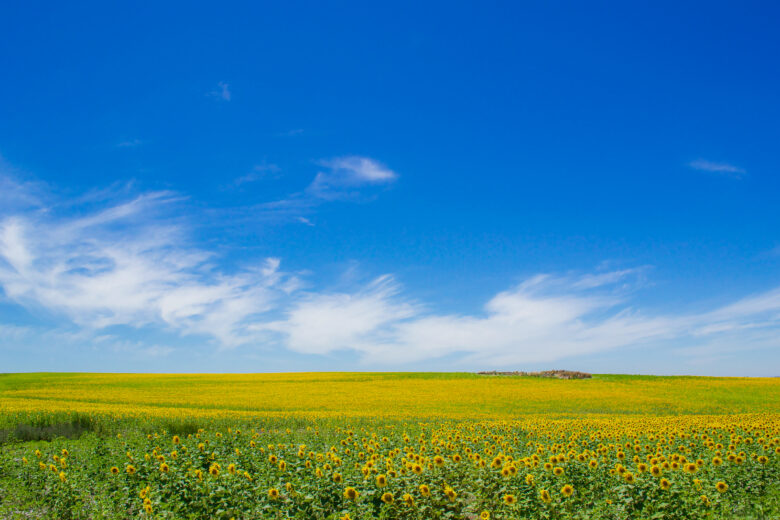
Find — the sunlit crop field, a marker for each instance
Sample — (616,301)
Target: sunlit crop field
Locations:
(407,446)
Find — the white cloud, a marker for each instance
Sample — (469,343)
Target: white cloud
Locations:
(221,92)
(716,167)
(322,323)
(132,263)
(17,195)
(129,143)
(291,133)
(345,178)
(260,171)
(125,265)
(543,319)
(344,175)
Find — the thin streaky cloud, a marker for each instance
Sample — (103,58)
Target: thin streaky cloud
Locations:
(134,263)
(222,91)
(129,143)
(349,178)
(344,176)
(717,167)
(259,171)
(291,133)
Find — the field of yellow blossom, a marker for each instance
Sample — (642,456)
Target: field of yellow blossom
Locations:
(388,445)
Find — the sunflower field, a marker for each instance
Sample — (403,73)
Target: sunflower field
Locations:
(387,446)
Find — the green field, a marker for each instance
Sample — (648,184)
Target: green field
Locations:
(229,446)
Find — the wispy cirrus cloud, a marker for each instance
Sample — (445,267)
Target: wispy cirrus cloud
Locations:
(345,176)
(17,194)
(129,143)
(126,264)
(545,318)
(291,133)
(259,171)
(131,260)
(221,92)
(348,178)
(717,167)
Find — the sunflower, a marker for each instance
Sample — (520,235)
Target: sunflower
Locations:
(409,500)
(484,515)
(273,494)
(425,490)
(722,487)
(655,471)
(629,477)
(558,471)
(351,493)
(510,500)
(451,494)
(381,481)
(164,468)
(337,478)
(529,479)
(232,469)
(387,498)
(62,476)
(665,484)
(567,490)
(545,496)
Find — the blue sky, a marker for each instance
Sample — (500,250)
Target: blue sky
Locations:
(354,186)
